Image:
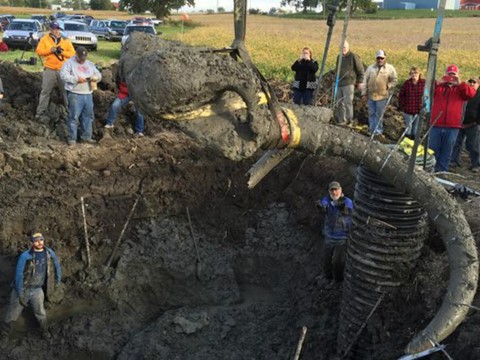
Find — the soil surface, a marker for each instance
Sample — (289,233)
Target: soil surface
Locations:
(206,269)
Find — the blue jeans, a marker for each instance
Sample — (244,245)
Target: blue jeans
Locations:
(35,298)
(408,120)
(115,108)
(442,141)
(375,116)
(472,143)
(80,110)
(306,96)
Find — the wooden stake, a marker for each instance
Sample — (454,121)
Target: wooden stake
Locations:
(121,234)
(197,264)
(86,232)
(300,343)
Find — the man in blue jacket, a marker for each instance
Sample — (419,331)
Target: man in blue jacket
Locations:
(337,223)
(38,269)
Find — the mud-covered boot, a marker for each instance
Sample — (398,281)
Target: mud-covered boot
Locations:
(44,331)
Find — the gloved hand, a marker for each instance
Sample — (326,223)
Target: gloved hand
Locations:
(320,207)
(22,298)
(346,211)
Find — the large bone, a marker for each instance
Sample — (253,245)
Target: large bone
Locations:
(146,70)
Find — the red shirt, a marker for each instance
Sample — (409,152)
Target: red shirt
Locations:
(448,104)
(122,90)
(410,97)
(3,47)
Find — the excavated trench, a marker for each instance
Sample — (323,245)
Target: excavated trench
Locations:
(255,281)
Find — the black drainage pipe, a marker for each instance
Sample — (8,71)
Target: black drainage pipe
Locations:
(389,229)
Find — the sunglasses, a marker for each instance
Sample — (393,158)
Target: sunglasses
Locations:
(380,58)
(472,82)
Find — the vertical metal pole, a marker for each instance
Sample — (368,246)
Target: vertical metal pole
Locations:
(342,42)
(432,47)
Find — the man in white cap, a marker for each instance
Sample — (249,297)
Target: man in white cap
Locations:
(80,77)
(337,223)
(447,115)
(379,84)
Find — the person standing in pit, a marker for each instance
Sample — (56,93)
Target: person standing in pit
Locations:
(337,210)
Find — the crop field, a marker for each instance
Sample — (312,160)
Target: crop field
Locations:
(276,42)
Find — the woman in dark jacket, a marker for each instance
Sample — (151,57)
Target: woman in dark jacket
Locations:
(305,81)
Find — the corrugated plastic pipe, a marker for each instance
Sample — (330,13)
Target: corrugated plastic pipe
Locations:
(389,229)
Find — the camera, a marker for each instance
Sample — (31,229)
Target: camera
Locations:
(58,50)
(449,79)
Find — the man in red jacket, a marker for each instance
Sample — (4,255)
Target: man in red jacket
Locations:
(446,119)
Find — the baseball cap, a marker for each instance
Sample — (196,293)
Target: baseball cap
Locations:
(452,69)
(381,53)
(36,236)
(54,25)
(334,185)
(81,53)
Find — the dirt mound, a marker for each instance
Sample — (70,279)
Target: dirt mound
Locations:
(255,281)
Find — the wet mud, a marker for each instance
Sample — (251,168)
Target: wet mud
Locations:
(256,278)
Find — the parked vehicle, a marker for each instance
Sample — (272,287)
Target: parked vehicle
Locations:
(5,20)
(59,15)
(155,22)
(89,19)
(130,28)
(22,33)
(78,18)
(140,20)
(79,34)
(42,19)
(99,27)
(116,28)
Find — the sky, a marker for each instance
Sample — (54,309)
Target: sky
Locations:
(263,5)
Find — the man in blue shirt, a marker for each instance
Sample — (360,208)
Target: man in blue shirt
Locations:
(37,269)
(337,223)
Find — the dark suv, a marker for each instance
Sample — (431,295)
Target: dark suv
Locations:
(42,19)
(115,31)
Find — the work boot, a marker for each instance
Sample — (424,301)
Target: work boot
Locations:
(46,334)
(44,330)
